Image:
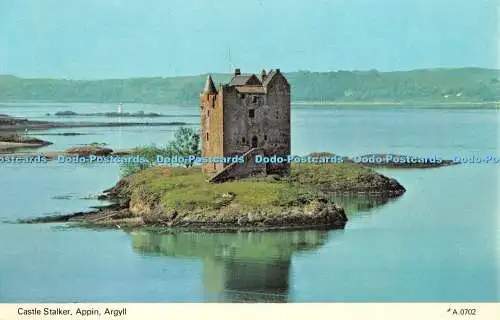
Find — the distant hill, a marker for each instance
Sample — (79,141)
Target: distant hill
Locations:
(450,85)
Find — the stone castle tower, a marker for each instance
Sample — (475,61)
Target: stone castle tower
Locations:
(249,116)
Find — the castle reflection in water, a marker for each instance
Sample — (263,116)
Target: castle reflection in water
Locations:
(246,266)
(237,267)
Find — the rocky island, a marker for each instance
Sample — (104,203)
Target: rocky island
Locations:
(182,199)
(11,140)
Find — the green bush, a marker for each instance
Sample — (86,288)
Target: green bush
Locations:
(186,142)
(148,153)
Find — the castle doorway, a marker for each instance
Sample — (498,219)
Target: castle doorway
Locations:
(254,142)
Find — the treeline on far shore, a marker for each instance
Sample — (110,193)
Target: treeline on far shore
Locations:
(445,85)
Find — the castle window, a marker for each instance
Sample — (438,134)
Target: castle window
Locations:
(254,99)
(207,136)
(254,142)
(251,113)
(208,113)
(243,139)
(265,137)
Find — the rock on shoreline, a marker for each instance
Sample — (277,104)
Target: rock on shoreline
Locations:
(89,150)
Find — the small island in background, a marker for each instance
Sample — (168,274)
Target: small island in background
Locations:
(14,124)
(11,141)
(138,114)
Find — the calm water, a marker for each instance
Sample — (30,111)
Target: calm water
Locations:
(438,242)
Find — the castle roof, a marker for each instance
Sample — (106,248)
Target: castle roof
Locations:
(245,79)
(269,77)
(209,86)
(240,80)
(250,83)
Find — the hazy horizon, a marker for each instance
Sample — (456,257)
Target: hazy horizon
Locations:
(229,73)
(116,39)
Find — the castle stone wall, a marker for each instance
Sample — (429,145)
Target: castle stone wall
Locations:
(212,130)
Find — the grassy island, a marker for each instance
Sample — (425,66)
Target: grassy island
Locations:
(182,198)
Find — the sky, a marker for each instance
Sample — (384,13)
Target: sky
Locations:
(92,39)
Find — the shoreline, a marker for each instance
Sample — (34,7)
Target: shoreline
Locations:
(115,217)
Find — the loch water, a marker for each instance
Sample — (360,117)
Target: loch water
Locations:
(438,242)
